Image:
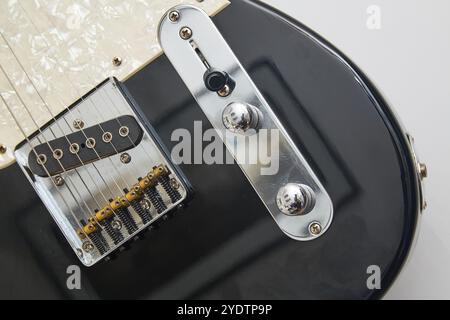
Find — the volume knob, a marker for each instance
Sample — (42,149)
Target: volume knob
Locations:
(239,117)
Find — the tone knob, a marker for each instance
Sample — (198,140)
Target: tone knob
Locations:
(295,199)
(239,117)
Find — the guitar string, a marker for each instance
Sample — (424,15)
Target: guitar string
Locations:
(111,100)
(66,137)
(42,134)
(117,109)
(93,104)
(106,93)
(78,92)
(74,216)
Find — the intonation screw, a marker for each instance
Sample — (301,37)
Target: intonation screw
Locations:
(2,149)
(78,124)
(125,158)
(174,16)
(185,33)
(59,181)
(117,61)
(315,228)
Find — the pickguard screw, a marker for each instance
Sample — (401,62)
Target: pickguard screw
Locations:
(3,149)
(185,33)
(78,124)
(116,225)
(125,158)
(315,228)
(174,16)
(224,92)
(423,170)
(88,247)
(117,61)
(59,181)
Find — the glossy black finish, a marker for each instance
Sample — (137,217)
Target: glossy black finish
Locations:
(225,244)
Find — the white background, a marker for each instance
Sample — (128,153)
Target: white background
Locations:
(408,59)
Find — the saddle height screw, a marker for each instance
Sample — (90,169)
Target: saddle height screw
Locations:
(186,33)
(117,61)
(174,16)
(3,149)
(315,228)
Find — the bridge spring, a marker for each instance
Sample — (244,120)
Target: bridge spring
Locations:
(128,221)
(143,213)
(99,242)
(155,199)
(173,194)
(114,234)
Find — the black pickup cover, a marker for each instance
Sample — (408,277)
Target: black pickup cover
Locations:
(102,150)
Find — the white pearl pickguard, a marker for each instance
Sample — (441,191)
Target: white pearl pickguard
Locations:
(66,47)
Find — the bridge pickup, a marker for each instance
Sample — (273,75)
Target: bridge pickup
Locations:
(85,146)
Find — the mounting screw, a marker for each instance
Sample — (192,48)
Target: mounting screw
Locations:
(185,33)
(174,184)
(78,124)
(88,247)
(117,61)
(225,91)
(315,228)
(2,149)
(59,181)
(125,158)
(423,170)
(174,16)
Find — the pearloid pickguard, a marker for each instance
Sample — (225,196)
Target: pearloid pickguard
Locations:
(66,47)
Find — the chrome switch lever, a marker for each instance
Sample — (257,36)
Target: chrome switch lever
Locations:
(245,122)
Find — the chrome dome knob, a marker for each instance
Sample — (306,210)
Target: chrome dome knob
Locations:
(239,117)
(295,199)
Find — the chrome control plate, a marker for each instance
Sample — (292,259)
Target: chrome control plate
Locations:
(78,198)
(194,46)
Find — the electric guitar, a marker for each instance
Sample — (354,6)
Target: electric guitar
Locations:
(195,149)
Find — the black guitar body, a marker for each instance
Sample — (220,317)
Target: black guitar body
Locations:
(225,244)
